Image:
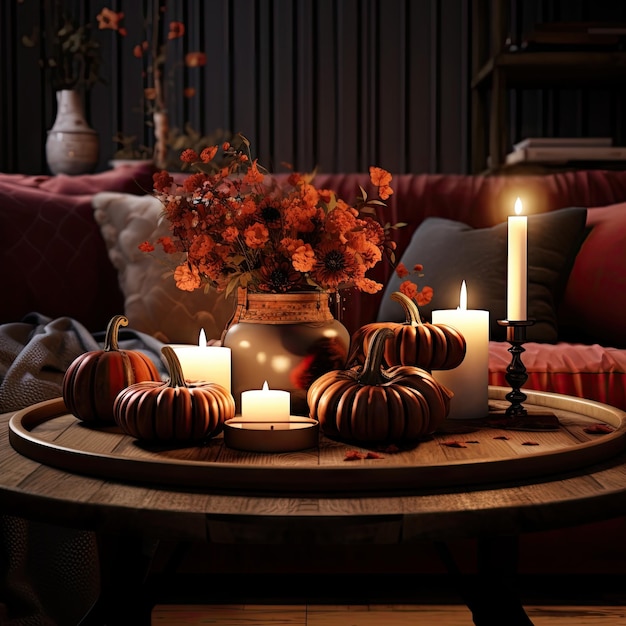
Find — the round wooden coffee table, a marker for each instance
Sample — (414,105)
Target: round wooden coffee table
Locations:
(487,482)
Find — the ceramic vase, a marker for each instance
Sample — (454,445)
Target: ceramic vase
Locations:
(287,340)
(72,146)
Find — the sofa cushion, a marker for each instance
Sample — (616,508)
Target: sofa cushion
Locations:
(135,179)
(594,304)
(152,302)
(575,369)
(452,251)
(53,258)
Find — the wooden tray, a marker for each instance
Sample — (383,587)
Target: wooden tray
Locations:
(45,432)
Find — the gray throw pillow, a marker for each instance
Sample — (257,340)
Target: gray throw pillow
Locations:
(451,252)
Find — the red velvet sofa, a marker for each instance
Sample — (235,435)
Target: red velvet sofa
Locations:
(60,260)
(56,262)
(584,351)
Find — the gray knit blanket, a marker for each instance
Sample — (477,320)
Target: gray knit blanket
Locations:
(36,352)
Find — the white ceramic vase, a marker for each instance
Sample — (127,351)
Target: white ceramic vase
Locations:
(72,146)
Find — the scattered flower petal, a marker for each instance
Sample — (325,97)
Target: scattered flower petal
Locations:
(598,429)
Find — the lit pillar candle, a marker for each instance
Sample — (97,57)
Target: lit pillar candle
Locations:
(265,405)
(470,380)
(204,363)
(517,265)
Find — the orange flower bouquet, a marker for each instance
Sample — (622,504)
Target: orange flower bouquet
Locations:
(240,226)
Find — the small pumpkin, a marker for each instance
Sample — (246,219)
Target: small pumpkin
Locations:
(173,411)
(93,379)
(371,404)
(425,345)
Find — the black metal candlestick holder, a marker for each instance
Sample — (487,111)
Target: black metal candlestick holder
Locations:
(516,417)
(516,374)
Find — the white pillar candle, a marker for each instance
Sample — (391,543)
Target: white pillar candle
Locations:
(517,265)
(265,405)
(470,380)
(204,363)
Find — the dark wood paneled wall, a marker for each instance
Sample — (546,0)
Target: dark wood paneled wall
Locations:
(337,84)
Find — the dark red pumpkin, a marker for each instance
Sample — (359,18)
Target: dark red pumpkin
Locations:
(93,380)
(368,404)
(418,343)
(174,411)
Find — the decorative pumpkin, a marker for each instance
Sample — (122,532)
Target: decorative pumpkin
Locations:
(173,411)
(371,404)
(425,345)
(93,380)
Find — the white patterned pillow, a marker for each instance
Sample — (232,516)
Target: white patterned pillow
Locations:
(152,302)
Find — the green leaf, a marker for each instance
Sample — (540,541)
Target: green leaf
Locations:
(368,210)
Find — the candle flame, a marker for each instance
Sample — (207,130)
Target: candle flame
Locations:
(202,339)
(266,387)
(463,297)
(518,207)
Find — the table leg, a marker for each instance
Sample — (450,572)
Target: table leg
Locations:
(490,595)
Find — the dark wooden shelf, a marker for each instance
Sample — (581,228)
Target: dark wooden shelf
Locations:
(552,69)
(540,168)
(496,70)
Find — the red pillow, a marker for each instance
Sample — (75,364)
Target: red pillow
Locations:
(594,305)
(53,258)
(135,179)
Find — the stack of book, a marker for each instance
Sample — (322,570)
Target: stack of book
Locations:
(565,149)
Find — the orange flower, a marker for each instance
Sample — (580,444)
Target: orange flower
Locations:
(189,156)
(177,29)
(409,289)
(195,59)
(367,285)
(256,236)
(187,278)
(253,175)
(401,270)
(425,296)
(335,265)
(304,258)
(208,154)
(140,49)
(167,244)
(109,19)
(240,226)
(381,178)
(161,181)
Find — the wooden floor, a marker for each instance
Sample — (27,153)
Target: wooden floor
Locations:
(371,615)
(383,601)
